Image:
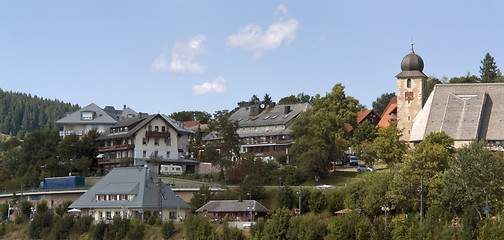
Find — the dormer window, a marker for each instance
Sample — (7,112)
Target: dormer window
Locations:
(87,116)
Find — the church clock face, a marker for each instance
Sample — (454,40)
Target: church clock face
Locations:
(408,96)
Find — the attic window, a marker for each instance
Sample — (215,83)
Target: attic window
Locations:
(239,119)
(87,116)
(286,116)
(467,96)
(274,116)
(266,118)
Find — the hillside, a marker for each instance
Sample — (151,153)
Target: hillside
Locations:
(21,113)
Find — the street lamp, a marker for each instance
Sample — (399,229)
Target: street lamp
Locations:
(385,209)
(250,196)
(299,193)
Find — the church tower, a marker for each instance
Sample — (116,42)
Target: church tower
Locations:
(411,83)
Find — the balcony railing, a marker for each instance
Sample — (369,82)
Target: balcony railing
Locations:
(117,147)
(73,132)
(122,161)
(154,134)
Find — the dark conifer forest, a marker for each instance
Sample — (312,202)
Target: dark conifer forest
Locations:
(21,113)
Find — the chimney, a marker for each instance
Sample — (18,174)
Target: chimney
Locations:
(287,109)
(124,106)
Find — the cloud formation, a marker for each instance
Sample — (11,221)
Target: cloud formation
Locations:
(182,57)
(252,37)
(217,86)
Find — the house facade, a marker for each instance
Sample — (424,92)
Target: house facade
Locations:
(131,192)
(132,142)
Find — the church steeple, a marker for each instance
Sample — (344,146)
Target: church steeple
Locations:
(411,83)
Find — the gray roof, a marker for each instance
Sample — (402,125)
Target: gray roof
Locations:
(463,111)
(101,117)
(232,206)
(136,123)
(270,116)
(130,180)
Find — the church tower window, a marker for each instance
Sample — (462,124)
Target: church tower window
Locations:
(408,83)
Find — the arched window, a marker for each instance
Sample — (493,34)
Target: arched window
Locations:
(408,83)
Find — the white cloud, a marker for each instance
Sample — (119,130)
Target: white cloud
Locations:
(253,37)
(182,57)
(217,86)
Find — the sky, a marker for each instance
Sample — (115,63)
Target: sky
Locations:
(184,55)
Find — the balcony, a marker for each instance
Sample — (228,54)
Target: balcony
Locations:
(117,147)
(123,162)
(72,132)
(154,134)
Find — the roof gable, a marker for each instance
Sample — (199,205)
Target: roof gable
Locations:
(99,116)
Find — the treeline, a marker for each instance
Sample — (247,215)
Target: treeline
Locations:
(21,113)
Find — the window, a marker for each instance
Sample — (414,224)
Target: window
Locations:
(172,215)
(156,141)
(108,215)
(156,129)
(168,142)
(408,83)
(87,115)
(168,154)
(144,141)
(144,154)
(100,215)
(117,213)
(163,129)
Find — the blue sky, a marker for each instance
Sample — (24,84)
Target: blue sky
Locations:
(182,55)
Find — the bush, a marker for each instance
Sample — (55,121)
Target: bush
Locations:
(2,228)
(168,229)
(197,227)
(98,231)
(257,229)
(136,231)
(82,224)
(42,220)
(62,208)
(151,220)
(63,226)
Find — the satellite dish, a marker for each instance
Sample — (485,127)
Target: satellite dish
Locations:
(262,105)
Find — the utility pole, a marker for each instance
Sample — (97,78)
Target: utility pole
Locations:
(300,200)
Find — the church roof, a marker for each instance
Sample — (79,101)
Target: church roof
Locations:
(463,111)
(412,65)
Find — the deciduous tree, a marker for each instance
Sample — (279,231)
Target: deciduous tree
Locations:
(381,102)
(389,146)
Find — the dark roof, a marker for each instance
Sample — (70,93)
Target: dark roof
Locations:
(130,180)
(136,123)
(232,206)
(412,65)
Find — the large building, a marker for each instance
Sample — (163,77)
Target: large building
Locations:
(132,192)
(264,128)
(463,111)
(133,141)
(92,117)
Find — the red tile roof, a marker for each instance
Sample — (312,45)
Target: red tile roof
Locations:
(385,117)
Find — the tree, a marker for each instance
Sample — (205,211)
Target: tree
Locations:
(197,227)
(389,146)
(429,158)
(278,226)
(285,197)
(267,99)
(365,131)
(474,176)
(381,102)
(225,131)
(465,79)
(202,196)
(292,99)
(489,70)
(429,86)
(168,229)
(10,144)
(317,202)
(183,116)
(320,132)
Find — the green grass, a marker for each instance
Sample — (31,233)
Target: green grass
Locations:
(338,178)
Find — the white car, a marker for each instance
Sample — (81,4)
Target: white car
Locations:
(363,168)
(325,186)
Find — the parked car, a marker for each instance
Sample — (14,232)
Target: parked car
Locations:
(354,161)
(340,163)
(325,186)
(364,168)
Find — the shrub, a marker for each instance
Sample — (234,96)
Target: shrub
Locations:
(82,224)
(168,229)
(136,231)
(98,231)
(64,226)
(151,220)
(41,221)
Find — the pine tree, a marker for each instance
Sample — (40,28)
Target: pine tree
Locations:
(489,70)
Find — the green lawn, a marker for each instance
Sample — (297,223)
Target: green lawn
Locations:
(338,178)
